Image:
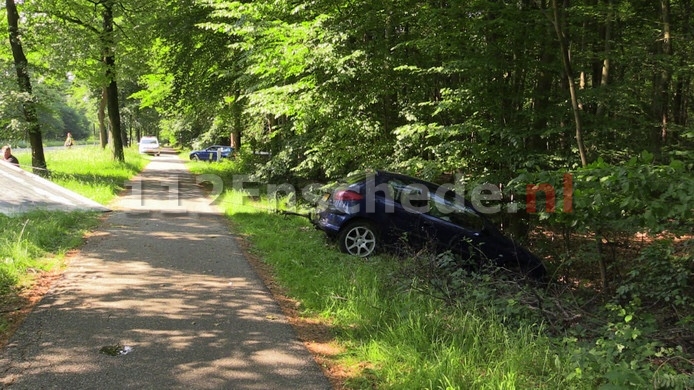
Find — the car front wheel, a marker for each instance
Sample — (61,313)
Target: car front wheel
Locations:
(358,239)
(194,157)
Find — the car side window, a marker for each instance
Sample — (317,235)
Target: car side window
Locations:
(456,213)
(396,187)
(468,219)
(415,196)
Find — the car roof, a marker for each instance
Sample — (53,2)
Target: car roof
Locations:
(385,175)
(406,178)
(216,146)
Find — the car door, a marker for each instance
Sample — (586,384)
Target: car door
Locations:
(409,218)
(401,222)
(453,225)
(211,153)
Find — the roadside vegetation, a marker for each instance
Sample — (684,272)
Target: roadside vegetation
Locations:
(402,323)
(35,243)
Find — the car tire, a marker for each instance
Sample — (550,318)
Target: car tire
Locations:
(195,158)
(358,239)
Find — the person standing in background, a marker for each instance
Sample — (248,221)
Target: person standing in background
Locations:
(69,140)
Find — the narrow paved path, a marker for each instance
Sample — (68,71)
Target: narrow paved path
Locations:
(163,283)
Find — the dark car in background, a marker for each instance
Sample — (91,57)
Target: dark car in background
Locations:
(212,153)
(370,211)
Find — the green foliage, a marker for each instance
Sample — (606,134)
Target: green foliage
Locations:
(56,116)
(623,356)
(629,197)
(661,277)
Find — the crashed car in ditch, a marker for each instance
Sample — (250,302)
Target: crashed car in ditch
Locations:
(372,211)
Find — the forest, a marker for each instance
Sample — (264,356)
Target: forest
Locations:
(522,94)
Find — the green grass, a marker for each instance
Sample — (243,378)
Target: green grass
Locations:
(90,170)
(37,241)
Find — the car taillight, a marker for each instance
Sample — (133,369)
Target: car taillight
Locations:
(347,195)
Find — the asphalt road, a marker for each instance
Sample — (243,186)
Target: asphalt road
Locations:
(160,297)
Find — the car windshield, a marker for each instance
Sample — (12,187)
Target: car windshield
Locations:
(148,141)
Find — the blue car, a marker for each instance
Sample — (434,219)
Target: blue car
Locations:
(371,211)
(212,153)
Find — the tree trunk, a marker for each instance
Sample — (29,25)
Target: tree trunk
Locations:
(103,129)
(38,160)
(681,100)
(541,95)
(680,113)
(682,91)
(602,266)
(566,60)
(237,112)
(112,88)
(606,62)
(661,84)
(666,74)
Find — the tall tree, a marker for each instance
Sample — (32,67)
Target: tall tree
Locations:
(663,77)
(108,45)
(38,160)
(109,24)
(558,22)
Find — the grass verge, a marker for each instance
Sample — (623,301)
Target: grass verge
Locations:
(90,170)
